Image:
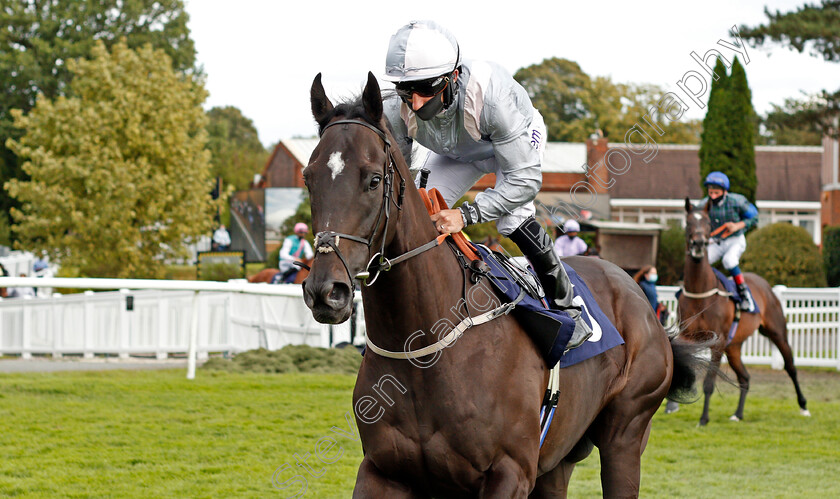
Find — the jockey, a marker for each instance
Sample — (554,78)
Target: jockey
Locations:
(476,119)
(735,214)
(293,247)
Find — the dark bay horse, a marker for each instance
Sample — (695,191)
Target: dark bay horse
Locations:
(702,310)
(464,421)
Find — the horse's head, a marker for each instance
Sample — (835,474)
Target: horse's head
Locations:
(353,183)
(698,229)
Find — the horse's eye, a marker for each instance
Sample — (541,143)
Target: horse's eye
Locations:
(374,182)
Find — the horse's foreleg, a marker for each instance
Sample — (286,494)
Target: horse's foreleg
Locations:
(734,356)
(555,483)
(370,483)
(709,385)
(504,479)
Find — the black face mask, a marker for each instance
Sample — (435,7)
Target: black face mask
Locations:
(430,109)
(719,199)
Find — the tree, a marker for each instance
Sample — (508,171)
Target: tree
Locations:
(38,39)
(728,139)
(574,105)
(119,173)
(715,144)
(237,153)
(557,88)
(792,123)
(815,27)
(743,125)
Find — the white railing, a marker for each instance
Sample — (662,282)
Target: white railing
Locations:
(160,318)
(237,316)
(813,324)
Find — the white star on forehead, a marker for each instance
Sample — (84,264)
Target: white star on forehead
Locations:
(698,216)
(336,164)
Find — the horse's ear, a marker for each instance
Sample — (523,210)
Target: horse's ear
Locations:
(321,105)
(688,206)
(707,206)
(372,98)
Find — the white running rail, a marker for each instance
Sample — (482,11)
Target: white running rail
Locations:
(160,317)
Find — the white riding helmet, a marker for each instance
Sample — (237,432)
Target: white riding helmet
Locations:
(571,226)
(421,50)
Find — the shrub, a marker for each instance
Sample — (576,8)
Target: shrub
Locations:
(272,261)
(831,254)
(784,254)
(291,359)
(220,272)
(671,256)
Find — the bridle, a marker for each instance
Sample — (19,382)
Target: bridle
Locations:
(328,241)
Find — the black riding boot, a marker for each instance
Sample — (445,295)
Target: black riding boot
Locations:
(746,297)
(536,245)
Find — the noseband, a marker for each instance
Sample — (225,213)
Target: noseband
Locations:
(328,241)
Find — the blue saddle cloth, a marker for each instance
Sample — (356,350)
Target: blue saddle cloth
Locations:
(728,285)
(533,313)
(604,334)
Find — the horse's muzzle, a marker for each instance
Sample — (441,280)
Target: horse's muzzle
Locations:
(331,301)
(697,248)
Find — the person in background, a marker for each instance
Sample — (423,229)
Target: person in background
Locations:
(732,214)
(221,239)
(646,278)
(21,291)
(568,243)
(42,269)
(295,249)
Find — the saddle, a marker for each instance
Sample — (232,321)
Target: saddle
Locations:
(549,328)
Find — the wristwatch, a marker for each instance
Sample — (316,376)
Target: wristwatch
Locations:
(470,214)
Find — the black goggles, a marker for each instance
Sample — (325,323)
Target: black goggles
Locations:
(423,88)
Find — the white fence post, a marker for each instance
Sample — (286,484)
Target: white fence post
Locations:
(26,344)
(87,325)
(193,338)
(125,324)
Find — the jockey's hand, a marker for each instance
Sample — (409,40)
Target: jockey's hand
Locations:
(448,221)
(732,227)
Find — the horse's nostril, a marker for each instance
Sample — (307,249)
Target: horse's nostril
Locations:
(339,293)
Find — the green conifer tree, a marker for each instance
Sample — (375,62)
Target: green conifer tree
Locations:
(715,145)
(743,118)
(728,138)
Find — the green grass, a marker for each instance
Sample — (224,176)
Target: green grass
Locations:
(156,434)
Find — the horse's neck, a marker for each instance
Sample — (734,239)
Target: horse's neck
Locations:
(417,292)
(698,276)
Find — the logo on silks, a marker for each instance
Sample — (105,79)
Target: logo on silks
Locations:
(536,139)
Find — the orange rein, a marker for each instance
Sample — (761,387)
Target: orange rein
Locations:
(434,204)
(720,229)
